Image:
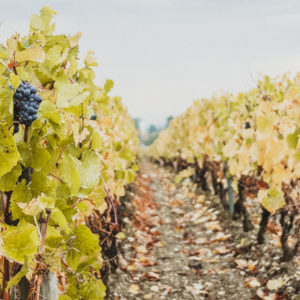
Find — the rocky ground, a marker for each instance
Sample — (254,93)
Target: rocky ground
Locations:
(180,244)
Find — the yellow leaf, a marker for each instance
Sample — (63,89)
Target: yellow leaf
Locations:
(36,54)
(134,289)
(73,40)
(271,199)
(121,236)
(15,80)
(90,60)
(12,43)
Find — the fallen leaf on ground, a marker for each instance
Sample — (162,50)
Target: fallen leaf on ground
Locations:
(134,289)
(213,226)
(151,276)
(252,282)
(154,288)
(120,236)
(131,267)
(159,244)
(241,263)
(275,284)
(222,250)
(141,249)
(176,202)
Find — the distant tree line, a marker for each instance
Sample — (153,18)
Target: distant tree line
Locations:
(148,136)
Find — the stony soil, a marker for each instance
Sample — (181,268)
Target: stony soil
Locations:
(181,244)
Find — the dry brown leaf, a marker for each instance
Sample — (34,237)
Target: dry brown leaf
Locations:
(222,250)
(159,244)
(241,263)
(151,276)
(221,236)
(176,202)
(213,226)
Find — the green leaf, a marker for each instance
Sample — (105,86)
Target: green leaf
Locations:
(70,173)
(265,123)
(15,80)
(6,105)
(64,297)
(40,157)
(34,155)
(87,288)
(58,218)
(120,174)
(16,279)
(54,57)
(81,243)
(271,199)
(292,140)
(21,241)
(53,237)
(42,22)
(31,208)
(46,201)
(9,180)
(21,194)
(47,110)
(108,85)
(297,156)
(69,93)
(88,168)
(9,155)
(96,141)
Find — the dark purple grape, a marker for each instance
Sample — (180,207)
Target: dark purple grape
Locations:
(38,98)
(31,110)
(16,128)
(247,125)
(94,117)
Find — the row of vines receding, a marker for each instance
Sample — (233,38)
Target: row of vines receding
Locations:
(245,149)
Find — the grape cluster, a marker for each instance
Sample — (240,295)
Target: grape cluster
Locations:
(26,105)
(94,117)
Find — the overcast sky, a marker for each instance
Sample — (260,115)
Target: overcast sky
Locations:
(164,54)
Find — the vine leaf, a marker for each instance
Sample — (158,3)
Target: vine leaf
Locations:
(82,244)
(36,54)
(21,241)
(16,279)
(271,199)
(9,155)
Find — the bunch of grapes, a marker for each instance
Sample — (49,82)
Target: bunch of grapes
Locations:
(26,105)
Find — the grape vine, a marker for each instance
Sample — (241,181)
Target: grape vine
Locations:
(68,150)
(247,145)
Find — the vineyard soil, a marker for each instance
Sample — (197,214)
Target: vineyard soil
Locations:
(181,244)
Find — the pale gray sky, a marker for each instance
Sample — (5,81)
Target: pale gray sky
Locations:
(164,54)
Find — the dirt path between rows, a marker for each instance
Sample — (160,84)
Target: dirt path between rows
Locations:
(180,244)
